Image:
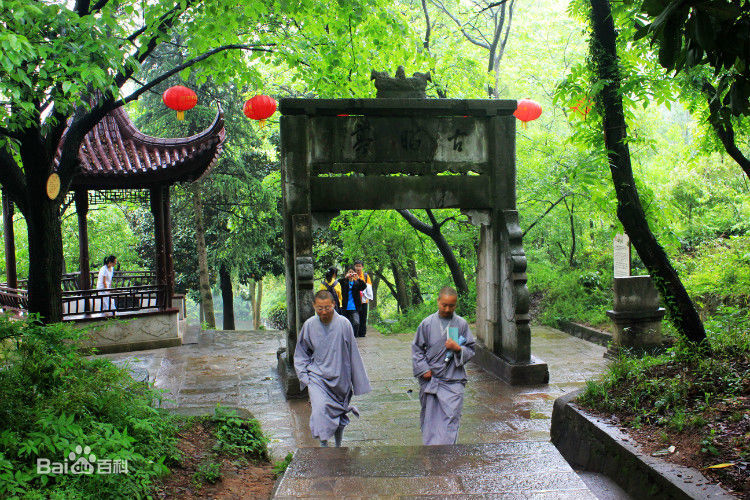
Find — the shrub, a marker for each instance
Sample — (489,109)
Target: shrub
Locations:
(277,316)
(408,321)
(237,436)
(56,402)
(208,471)
(572,295)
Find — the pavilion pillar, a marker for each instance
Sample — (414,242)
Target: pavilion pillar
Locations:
(82,209)
(157,210)
(10,242)
(168,246)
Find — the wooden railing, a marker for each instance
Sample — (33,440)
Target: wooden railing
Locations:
(120,279)
(78,303)
(113,300)
(14,300)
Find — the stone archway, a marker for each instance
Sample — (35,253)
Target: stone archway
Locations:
(402,150)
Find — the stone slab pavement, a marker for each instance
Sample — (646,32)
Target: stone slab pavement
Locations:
(237,369)
(513,470)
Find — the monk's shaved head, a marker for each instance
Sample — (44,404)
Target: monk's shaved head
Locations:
(323,295)
(447,291)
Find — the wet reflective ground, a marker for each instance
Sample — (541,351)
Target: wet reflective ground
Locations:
(237,369)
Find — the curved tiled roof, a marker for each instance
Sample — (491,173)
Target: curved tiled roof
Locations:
(116,155)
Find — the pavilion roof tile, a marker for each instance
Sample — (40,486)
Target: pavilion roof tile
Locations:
(116,155)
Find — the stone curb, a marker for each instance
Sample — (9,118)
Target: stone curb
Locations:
(585,332)
(590,443)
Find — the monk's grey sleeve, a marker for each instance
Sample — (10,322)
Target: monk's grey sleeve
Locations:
(467,350)
(419,351)
(302,358)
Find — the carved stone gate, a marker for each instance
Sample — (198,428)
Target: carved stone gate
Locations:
(410,153)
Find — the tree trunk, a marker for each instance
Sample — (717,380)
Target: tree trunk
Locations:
(204,282)
(227,297)
(416,293)
(571,259)
(390,285)
(373,305)
(399,281)
(629,209)
(251,285)
(45,257)
(257,305)
(442,244)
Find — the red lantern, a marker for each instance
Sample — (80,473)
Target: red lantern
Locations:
(180,99)
(527,110)
(259,108)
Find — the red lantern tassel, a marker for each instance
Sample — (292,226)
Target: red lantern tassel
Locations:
(180,115)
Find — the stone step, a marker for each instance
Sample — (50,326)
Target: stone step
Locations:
(513,469)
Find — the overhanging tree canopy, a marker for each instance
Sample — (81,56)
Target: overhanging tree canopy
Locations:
(55,56)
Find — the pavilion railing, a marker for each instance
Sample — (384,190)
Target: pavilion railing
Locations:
(76,303)
(120,279)
(14,300)
(113,300)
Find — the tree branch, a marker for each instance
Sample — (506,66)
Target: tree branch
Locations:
(12,179)
(415,222)
(432,218)
(82,7)
(165,22)
(493,5)
(723,128)
(507,32)
(156,81)
(461,26)
(553,205)
(428,29)
(388,284)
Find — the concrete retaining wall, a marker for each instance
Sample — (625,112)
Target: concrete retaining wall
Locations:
(591,444)
(586,332)
(133,332)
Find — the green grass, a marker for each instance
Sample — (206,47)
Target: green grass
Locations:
(682,388)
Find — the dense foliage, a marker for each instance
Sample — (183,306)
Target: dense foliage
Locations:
(695,197)
(55,400)
(688,395)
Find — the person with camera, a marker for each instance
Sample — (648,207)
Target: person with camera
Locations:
(351,298)
(331,284)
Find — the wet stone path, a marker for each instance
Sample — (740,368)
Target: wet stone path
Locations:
(237,369)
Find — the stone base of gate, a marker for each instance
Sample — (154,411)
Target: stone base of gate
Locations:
(289,379)
(534,372)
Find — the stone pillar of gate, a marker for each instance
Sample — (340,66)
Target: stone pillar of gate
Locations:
(502,294)
(298,259)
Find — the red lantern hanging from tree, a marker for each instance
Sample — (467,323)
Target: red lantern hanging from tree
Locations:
(259,107)
(180,99)
(527,110)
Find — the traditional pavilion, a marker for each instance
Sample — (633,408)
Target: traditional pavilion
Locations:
(119,162)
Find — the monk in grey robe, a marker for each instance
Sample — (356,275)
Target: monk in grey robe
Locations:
(329,365)
(438,363)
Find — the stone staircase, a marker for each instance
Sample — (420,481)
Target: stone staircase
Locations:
(514,469)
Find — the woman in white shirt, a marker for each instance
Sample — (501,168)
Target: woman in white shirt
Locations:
(103,282)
